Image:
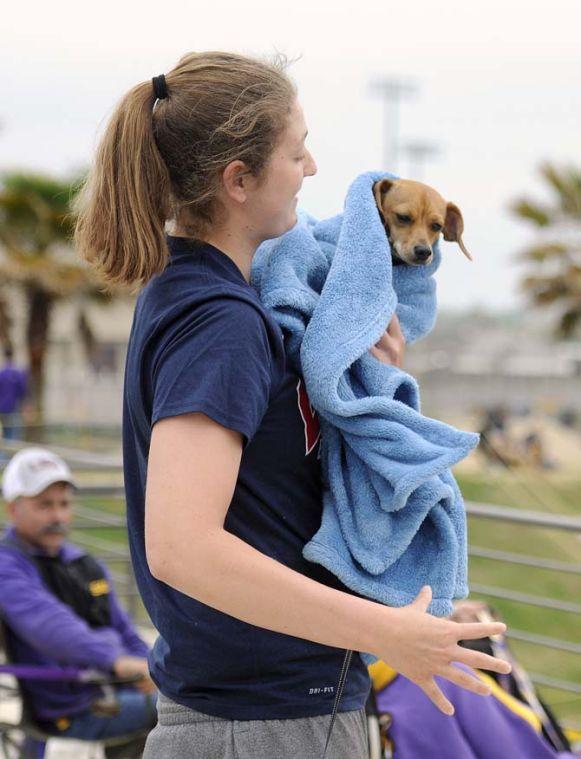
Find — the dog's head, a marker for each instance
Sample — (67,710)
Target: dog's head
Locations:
(414,215)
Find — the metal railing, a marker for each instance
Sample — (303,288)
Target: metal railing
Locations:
(536,520)
(89,519)
(95,519)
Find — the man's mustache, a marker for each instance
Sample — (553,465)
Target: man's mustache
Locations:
(56,528)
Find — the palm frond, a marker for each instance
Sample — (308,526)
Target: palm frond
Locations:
(544,252)
(566,185)
(569,322)
(555,275)
(530,211)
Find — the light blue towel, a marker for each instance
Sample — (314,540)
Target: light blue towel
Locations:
(393,516)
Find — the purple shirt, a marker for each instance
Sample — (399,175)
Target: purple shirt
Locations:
(481,726)
(45,631)
(13,385)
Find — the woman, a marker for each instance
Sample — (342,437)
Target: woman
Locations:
(220,445)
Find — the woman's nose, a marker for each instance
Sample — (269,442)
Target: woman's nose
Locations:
(310,165)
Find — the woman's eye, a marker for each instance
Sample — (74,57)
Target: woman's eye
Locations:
(403,218)
(436,227)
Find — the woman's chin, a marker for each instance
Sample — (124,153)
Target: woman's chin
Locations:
(282,228)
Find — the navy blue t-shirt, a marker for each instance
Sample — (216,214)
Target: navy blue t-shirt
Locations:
(202,341)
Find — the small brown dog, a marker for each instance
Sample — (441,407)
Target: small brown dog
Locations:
(414,215)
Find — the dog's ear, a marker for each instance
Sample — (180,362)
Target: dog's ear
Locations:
(379,190)
(454,227)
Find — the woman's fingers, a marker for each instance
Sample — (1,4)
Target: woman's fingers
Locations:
(423,599)
(479,660)
(435,694)
(386,340)
(394,327)
(465,680)
(460,678)
(392,336)
(390,346)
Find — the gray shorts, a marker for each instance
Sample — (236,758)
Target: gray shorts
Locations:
(183,733)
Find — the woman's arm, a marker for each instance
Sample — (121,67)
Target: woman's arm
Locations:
(192,471)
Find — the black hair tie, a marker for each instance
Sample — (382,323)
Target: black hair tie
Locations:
(160,87)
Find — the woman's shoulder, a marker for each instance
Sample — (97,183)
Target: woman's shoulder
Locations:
(163,302)
(199,314)
(196,277)
(193,302)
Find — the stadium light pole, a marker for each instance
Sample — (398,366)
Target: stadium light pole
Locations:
(418,152)
(391,91)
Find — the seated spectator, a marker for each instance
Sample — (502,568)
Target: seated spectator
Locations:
(59,608)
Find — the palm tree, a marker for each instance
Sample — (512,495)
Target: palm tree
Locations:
(5,325)
(35,232)
(555,259)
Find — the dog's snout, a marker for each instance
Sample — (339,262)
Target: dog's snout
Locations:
(422,252)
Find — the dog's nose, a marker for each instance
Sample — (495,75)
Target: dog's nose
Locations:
(422,252)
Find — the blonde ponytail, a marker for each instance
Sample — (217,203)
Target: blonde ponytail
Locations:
(153,164)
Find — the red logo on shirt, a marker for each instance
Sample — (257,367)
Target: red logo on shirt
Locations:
(310,418)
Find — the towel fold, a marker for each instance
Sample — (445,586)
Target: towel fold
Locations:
(393,516)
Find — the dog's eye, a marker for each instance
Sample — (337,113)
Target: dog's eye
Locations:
(403,218)
(436,227)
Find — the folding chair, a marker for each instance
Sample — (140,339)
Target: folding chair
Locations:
(25,738)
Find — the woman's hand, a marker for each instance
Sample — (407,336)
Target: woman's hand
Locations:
(390,348)
(421,646)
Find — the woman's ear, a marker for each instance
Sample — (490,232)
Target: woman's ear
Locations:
(454,227)
(237,180)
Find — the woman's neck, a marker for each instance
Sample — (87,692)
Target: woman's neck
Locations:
(235,246)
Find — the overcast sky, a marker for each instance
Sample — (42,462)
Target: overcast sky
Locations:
(498,91)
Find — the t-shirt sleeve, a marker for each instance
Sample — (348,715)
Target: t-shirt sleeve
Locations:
(217,361)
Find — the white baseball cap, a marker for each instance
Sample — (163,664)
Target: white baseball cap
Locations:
(31,470)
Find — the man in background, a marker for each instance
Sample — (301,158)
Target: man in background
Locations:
(59,608)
